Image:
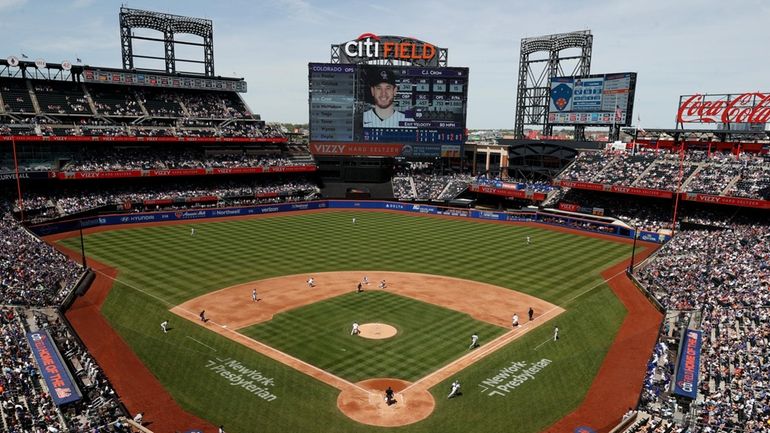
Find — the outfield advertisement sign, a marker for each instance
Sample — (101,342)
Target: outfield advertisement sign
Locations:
(688,368)
(62,387)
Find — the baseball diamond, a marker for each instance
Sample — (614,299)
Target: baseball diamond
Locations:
(480,282)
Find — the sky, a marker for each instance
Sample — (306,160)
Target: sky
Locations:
(676,47)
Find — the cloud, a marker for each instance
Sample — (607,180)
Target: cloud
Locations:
(10,4)
(79,4)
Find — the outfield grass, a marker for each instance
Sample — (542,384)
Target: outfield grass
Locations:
(164,266)
(428,336)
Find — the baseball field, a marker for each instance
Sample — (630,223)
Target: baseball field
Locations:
(279,364)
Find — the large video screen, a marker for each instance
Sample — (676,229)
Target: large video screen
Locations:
(596,100)
(387,110)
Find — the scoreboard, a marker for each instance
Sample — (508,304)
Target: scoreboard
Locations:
(430,108)
(595,100)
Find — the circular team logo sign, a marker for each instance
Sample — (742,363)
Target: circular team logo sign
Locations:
(40,63)
(13,60)
(66,65)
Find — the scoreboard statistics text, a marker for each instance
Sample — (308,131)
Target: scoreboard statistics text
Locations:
(598,100)
(428,106)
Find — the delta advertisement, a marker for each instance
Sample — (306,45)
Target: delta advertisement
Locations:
(62,387)
(686,383)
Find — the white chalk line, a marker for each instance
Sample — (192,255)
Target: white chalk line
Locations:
(200,342)
(299,361)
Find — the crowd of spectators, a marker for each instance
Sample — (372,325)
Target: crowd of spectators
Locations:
(40,206)
(718,173)
(721,274)
(725,267)
(429,187)
(32,272)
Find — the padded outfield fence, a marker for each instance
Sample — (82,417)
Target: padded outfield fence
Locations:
(548,216)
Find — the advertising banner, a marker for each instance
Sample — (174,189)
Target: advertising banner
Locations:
(62,387)
(688,368)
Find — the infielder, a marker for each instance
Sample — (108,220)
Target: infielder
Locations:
(455,391)
(254,295)
(311,282)
(365,280)
(383,284)
(515,320)
(474,341)
(202,315)
(164,326)
(355,330)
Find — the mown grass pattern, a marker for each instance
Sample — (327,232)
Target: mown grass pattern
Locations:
(163,266)
(428,336)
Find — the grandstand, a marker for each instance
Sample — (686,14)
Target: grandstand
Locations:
(81,144)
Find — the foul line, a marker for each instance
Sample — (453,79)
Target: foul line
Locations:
(200,342)
(224,327)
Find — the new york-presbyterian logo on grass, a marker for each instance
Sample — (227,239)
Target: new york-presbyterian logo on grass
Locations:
(511,377)
(240,375)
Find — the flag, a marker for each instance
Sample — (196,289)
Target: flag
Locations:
(24,56)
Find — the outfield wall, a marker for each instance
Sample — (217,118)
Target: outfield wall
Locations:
(575,222)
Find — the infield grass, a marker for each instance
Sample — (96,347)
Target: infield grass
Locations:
(428,336)
(161,267)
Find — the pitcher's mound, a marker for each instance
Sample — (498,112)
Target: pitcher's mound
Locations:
(366,403)
(377,331)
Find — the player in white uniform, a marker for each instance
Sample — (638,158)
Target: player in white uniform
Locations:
(311,282)
(555,333)
(192,231)
(455,391)
(383,113)
(355,330)
(474,341)
(254,295)
(164,326)
(515,320)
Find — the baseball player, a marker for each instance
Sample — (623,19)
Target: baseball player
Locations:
(139,418)
(254,295)
(192,231)
(311,282)
(474,341)
(164,326)
(383,284)
(555,333)
(355,330)
(455,391)
(202,315)
(531,314)
(359,288)
(389,398)
(365,280)
(354,220)
(515,320)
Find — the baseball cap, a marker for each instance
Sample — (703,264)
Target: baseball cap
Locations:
(383,76)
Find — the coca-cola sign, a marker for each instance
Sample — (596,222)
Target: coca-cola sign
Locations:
(724,108)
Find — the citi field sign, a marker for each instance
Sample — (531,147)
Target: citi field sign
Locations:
(371,47)
(750,107)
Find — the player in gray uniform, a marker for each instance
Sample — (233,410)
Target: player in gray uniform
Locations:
(383,113)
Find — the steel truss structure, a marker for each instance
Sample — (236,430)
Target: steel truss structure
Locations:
(169,25)
(535,73)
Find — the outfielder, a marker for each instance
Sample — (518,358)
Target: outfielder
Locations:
(164,326)
(555,333)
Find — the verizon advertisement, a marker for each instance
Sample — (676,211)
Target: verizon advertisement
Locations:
(750,107)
